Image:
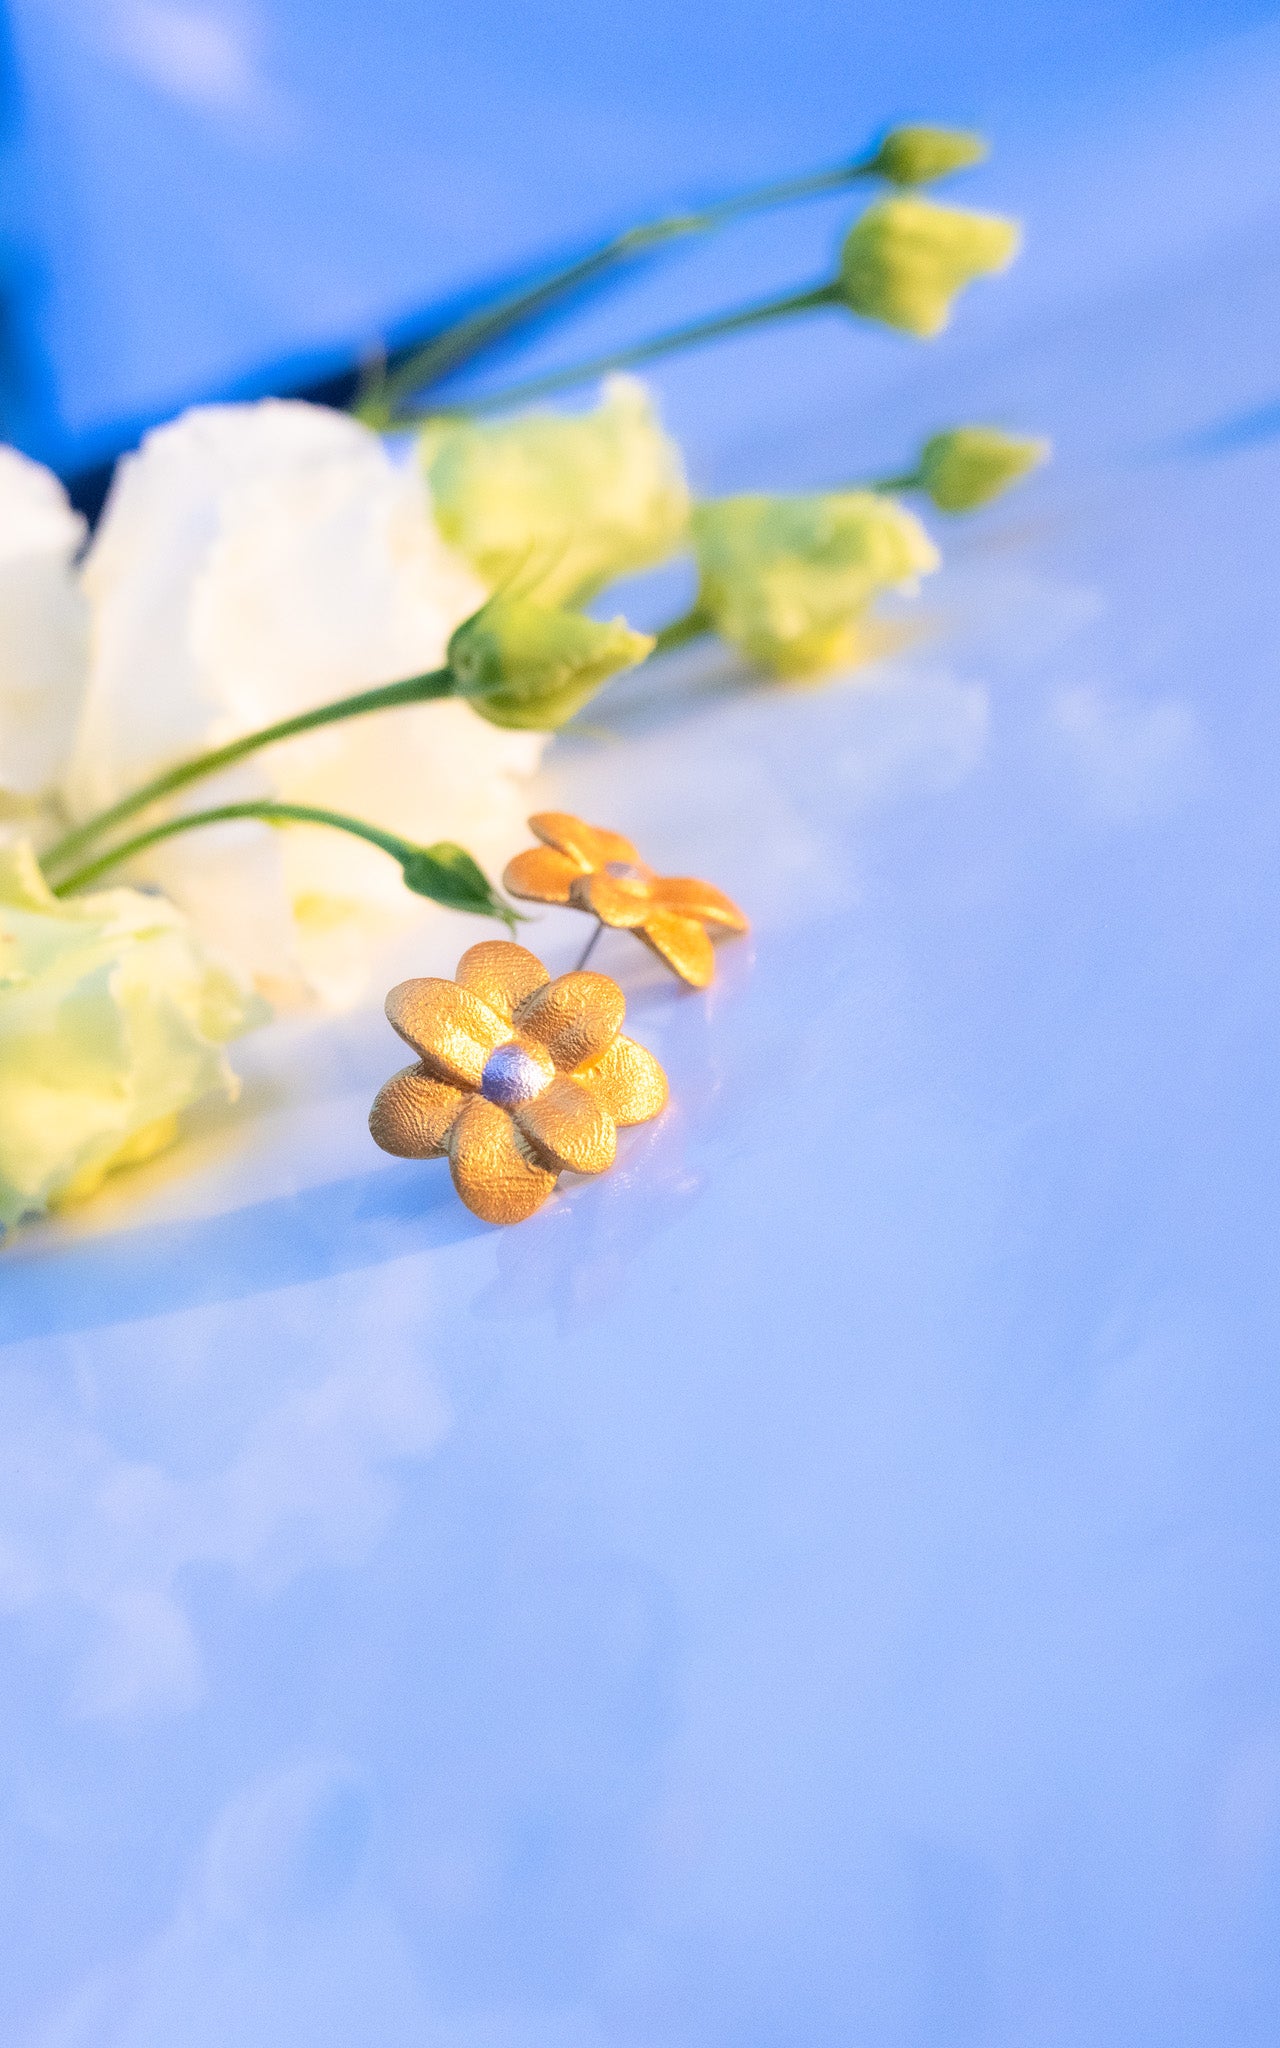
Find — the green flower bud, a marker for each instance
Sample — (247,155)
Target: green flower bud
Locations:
(904,261)
(446,873)
(916,156)
(790,580)
(560,504)
(969,466)
(112,1021)
(524,665)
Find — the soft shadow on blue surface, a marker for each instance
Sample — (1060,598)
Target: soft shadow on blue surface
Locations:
(385,1214)
(1241,430)
(816,1585)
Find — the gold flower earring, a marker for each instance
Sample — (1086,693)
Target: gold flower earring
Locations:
(519,1078)
(589,868)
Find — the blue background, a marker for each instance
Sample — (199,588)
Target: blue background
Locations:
(817,1585)
(210,195)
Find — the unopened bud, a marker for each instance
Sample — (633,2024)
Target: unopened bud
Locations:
(969,466)
(904,261)
(525,665)
(789,580)
(916,156)
(446,873)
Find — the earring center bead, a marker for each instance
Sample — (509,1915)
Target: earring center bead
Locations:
(514,1074)
(626,872)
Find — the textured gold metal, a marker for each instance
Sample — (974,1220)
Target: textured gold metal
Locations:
(592,869)
(550,1052)
(413,1114)
(451,1030)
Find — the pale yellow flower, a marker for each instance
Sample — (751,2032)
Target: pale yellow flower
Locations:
(789,580)
(906,259)
(112,1021)
(559,504)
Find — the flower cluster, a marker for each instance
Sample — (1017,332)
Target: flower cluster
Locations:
(254,561)
(287,619)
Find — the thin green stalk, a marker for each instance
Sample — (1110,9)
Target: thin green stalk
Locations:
(378,404)
(444,873)
(643,352)
(414,690)
(266,813)
(691,626)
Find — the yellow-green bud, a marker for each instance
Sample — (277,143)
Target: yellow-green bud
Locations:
(906,259)
(969,466)
(789,580)
(526,665)
(916,156)
(560,504)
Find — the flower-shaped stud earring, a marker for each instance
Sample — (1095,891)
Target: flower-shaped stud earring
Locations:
(519,1078)
(600,871)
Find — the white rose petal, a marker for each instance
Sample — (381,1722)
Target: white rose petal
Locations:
(42,626)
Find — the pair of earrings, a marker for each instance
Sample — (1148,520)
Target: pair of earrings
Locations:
(520,1078)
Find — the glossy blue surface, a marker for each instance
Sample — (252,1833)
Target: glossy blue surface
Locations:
(816,1585)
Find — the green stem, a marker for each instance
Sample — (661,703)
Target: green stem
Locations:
(443,873)
(643,352)
(458,343)
(694,623)
(414,690)
(910,480)
(266,813)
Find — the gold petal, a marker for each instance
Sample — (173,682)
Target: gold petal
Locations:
(577,1017)
(590,845)
(569,1127)
(682,943)
(541,875)
(413,1114)
(501,974)
(692,898)
(628,1081)
(616,903)
(492,1167)
(452,1029)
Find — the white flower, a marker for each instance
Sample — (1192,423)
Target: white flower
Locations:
(253,561)
(42,626)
